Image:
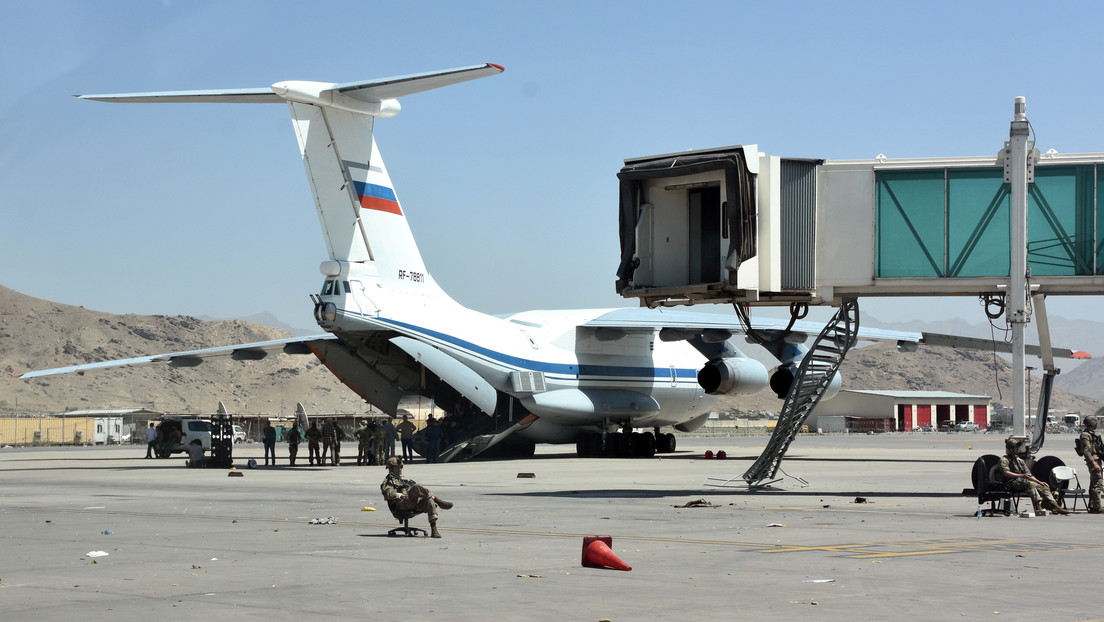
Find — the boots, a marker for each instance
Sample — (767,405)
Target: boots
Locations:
(433,533)
(441,503)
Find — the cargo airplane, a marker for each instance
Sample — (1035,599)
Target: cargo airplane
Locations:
(587,377)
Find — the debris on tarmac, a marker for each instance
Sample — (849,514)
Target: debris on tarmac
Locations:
(697,503)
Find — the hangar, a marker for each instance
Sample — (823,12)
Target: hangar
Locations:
(902,411)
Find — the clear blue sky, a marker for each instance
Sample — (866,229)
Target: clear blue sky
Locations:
(509,181)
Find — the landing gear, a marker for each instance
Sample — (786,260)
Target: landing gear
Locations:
(622,445)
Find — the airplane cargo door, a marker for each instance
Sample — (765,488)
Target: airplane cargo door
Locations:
(705,235)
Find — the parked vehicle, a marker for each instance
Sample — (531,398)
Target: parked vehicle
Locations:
(174,434)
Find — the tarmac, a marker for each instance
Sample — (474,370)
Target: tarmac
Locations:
(882,531)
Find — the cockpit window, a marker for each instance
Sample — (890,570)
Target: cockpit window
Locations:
(327,288)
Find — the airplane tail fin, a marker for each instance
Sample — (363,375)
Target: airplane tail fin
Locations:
(362,221)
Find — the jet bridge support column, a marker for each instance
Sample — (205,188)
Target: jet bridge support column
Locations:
(1017,175)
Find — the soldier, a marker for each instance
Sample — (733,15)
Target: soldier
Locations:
(379,433)
(329,437)
(1090,445)
(407,495)
(364,441)
(1014,469)
(293,437)
(314,437)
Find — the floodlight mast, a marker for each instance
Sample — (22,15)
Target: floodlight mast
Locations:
(1016,174)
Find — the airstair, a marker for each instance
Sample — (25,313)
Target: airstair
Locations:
(815,373)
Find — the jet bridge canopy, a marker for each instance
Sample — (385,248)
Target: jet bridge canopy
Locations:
(736,225)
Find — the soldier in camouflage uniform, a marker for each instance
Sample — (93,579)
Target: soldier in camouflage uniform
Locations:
(379,434)
(1090,450)
(407,495)
(1014,471)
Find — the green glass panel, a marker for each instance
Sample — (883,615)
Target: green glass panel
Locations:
(910,223)
(1099,223)
(1059,204)
(977,222)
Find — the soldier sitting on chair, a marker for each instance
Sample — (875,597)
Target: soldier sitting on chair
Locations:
(1014,470)
(407,495)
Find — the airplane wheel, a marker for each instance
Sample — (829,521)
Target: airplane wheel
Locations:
(669,443)
(582,446)
(1043,466)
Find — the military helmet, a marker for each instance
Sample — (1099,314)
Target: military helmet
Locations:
(394,461)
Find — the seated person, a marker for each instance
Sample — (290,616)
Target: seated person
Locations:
(409,496)
(195,454)
(1018,477)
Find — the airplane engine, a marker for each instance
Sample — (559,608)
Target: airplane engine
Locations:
(733,376)
(783,378)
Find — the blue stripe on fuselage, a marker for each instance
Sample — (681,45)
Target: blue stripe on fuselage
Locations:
(607,371)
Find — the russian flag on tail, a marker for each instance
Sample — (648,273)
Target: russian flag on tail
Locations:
(376,197)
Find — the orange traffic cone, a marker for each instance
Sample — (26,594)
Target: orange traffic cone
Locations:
(597,554)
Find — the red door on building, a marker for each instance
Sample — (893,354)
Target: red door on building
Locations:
(981,415)
(923,415)
(904,417)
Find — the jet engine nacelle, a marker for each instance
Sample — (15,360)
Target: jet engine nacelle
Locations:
(783,378)
(733,376)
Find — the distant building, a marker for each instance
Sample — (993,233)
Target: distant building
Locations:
(898,410)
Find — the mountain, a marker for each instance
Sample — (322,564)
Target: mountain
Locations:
(38,334)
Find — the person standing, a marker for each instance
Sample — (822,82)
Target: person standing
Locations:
(314,437)
(268,435)
(434,436)
(390,435)
(1090,443)
(329,436)
(406,431)
(378,436)
(406,495)
(1014,470)
(151,440)
(364,443)
(293,438)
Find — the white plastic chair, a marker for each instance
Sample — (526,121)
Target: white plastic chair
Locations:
(1065,474)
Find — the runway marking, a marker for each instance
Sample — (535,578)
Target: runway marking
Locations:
(860,550)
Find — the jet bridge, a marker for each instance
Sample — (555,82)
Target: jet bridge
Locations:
(736,225)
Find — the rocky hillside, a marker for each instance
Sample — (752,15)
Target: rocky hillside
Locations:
(37,334)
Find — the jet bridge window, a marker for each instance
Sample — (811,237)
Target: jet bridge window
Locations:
(946,222)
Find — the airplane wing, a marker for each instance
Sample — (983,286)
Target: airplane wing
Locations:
(192,358)
(674,325)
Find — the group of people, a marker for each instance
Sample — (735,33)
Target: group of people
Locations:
(375,441)
(1014,470)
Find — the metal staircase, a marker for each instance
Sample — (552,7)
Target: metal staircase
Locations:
(818,367)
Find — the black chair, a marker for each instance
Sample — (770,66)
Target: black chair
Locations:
(404,517)
(990,489)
